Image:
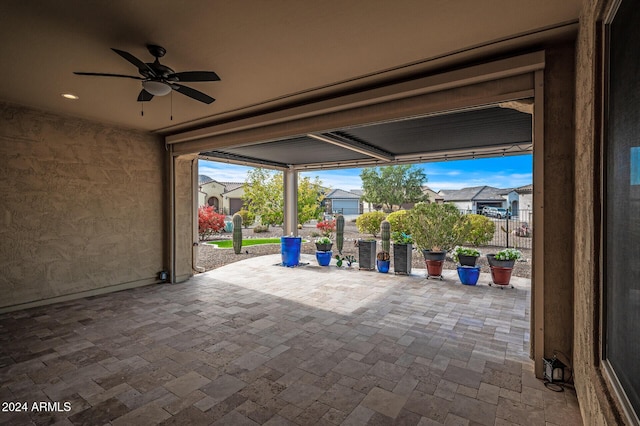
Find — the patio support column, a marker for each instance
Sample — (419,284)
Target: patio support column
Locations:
(290,201)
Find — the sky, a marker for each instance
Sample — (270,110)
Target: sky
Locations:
(499,172)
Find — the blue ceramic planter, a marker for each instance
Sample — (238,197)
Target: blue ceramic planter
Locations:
(469,274)
(324,257)
(290,247)
(383,265)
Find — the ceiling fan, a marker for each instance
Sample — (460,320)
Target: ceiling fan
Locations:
(159,80)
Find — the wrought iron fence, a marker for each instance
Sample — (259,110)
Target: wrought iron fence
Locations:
(515,232)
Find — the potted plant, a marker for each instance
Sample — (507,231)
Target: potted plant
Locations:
(466,256)
(324,244)
(468,272)
(383,261)
(436,229)
(366,254)
(324,257)
(502,265)
(402,252)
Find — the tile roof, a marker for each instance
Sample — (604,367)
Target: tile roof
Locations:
(341,194)
(230,186)
(475,193)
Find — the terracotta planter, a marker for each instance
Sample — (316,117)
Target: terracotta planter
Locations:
(434,268)
(434,261)
(501,275)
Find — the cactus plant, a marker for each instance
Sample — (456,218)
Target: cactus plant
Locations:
(340,233)
(385,233)
(237,233)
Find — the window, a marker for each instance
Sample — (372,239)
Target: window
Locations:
(622,204)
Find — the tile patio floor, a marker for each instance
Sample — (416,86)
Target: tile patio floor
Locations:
(254,343)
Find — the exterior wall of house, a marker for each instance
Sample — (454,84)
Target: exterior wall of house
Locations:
(465,206)
(237,193)
(208,190)
(598,403)
(185,217)
(82,207)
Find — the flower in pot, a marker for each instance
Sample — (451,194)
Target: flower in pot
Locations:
(402,252)
(436,229)
(324,244)
(466,256)
(383,261)
(502,265)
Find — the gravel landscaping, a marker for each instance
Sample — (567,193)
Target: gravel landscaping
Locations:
(211,258)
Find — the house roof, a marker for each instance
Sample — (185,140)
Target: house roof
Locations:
(526,189)
(230,186)
(204,179)
(341,194)
(358,192)
(475,193)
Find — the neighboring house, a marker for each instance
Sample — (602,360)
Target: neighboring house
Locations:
(344,202)
(525,195)
(474,199)
(432,197)
(226,197)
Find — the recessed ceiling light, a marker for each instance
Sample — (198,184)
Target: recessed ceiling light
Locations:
(70,96)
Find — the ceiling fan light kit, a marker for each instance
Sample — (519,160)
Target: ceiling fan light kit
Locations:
(156,88)
(158,79)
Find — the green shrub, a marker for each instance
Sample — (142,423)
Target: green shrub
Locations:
(260,229)
(398,221)
(482,230)
(369,223)
(247,217)
(437,226)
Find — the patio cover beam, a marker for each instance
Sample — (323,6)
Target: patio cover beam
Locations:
(352,145)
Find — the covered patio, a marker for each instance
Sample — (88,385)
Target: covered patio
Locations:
(256,343)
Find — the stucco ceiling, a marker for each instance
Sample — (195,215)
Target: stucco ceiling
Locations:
(264,51)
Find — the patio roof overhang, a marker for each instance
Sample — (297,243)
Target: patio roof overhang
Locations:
(475,133)
(473,111)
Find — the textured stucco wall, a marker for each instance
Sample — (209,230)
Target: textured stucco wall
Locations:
(597,402)
(82,206)
(185,215)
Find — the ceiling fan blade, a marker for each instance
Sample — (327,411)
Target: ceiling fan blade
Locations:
(101,74)
(195,76)
(192,93)
(144,96)
(135,61)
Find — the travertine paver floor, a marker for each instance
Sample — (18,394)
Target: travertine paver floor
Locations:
(254,343)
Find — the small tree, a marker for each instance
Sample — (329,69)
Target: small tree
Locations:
(481,229)
(247,217)
(393,185)
(369,223)
(437,227)
(263,196)
(209,222)
(310,195)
